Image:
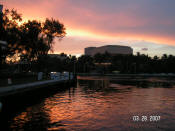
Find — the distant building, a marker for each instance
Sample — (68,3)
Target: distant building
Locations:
(1,7)
(112,49)
(1,14)
(3,46)
(59,56)
(1,19)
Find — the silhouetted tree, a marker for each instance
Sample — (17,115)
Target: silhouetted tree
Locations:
(37,38)
(32,38)
(10,30)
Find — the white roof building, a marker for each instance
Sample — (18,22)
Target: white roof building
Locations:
(112,49)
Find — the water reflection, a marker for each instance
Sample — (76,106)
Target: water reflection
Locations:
(34,118)
(101,104)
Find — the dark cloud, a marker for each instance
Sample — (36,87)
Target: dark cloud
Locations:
(148,17)
(149,20)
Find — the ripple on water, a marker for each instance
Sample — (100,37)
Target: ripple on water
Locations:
(100,105)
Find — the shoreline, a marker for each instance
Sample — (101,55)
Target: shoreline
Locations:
(129,75)
(15,89)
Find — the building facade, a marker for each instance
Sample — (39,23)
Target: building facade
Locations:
(112,49)
(3,44)
(1,14)
(1,7)
(59,56)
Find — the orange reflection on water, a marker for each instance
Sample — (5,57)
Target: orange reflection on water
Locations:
(101,105)
(84,109)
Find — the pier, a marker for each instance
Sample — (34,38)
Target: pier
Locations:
(16,93)
(15,89)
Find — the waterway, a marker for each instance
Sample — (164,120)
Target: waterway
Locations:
(101,104)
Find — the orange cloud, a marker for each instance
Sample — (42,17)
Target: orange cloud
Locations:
(105,22)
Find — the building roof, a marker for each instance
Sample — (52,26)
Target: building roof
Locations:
(112,49)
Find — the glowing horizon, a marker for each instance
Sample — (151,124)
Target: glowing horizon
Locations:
(96,23)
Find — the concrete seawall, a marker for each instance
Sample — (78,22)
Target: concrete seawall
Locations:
(15,89)
(16,96)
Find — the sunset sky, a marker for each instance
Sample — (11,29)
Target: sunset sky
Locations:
(136,23)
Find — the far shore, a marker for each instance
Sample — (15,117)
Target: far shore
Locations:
(129,75)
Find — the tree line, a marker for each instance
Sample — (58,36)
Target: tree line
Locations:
(139,63)
(30,39)
(119,63)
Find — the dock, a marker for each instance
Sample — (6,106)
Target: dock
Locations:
(14,89)
(17,93)
(56,78)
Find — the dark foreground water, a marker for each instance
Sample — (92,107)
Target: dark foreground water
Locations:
(102,104)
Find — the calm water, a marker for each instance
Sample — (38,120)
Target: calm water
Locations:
(103,104)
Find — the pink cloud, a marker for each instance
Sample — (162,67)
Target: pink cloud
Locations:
(136,20)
